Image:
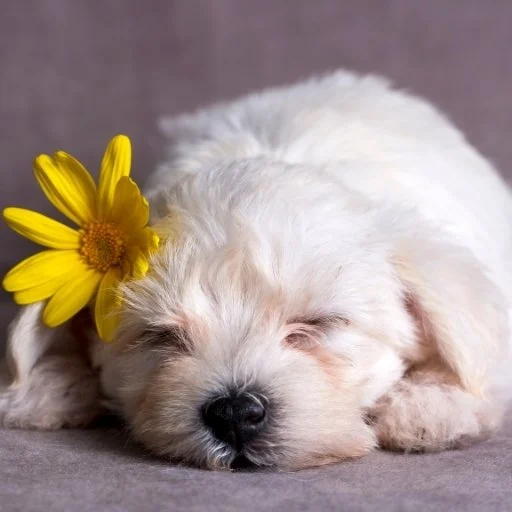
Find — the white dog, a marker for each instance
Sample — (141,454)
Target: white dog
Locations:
(340,278)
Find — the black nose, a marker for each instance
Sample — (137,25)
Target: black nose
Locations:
(236,419)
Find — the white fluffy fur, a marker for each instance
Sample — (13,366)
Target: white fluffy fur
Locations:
(336,244)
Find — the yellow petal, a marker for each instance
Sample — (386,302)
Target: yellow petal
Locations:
(41,229)
(130,209)
(42,267)
(146,239)
(68,186)
(115,164)
(39,292)
(71,297)
(138,264)
(106,311)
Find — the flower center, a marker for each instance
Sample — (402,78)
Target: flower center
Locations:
(102,245)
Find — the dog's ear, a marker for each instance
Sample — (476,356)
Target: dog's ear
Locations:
(49,381)
(454,304)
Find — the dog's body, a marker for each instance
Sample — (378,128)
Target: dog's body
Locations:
(336,274)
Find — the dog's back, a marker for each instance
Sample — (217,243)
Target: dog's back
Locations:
(388,145)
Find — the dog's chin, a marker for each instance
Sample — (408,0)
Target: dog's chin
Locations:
(222,457)
(243,463)
(219,456)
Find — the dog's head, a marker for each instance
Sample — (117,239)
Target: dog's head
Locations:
(266,327)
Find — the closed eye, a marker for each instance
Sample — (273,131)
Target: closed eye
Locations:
(164,337)
(307,332)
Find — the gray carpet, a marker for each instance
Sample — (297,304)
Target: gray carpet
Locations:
(95,470)
(73,73)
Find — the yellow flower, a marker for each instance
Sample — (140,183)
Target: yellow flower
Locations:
(113,242)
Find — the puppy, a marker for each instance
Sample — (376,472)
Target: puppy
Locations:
(335,277)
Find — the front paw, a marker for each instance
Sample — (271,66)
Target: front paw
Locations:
(60,392)
(419,417)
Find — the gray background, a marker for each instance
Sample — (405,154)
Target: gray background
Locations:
(73,73)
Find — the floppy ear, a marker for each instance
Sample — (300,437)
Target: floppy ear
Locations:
(49,381)
(455,304)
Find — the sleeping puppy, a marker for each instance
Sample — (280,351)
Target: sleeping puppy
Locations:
(336,276)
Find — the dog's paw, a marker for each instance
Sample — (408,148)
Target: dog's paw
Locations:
(419,417)
(61,392)
(15,416)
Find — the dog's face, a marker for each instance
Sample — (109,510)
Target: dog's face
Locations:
(264,329)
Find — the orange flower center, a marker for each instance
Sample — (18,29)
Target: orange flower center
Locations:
(102,245)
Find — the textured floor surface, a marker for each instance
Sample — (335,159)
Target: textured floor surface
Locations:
(98,470)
